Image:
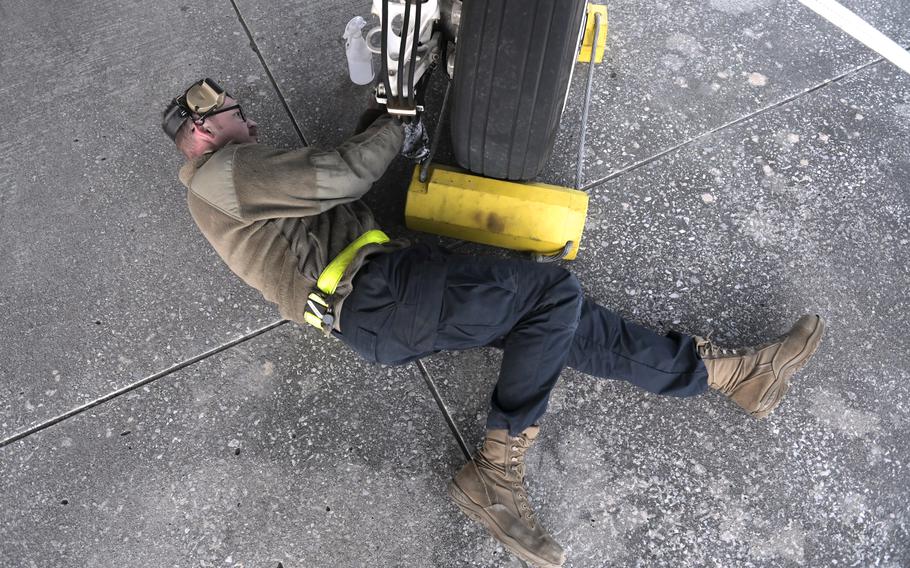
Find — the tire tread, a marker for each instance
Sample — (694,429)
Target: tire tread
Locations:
(511,74)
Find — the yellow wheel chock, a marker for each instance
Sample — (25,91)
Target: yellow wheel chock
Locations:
(545,220)
(535,217)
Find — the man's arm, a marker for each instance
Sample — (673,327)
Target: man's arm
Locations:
(271,183)
(369,116)
(352,168)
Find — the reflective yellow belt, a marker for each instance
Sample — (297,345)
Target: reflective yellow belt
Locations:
(318,311)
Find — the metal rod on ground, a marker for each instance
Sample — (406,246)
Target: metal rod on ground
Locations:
(587,105)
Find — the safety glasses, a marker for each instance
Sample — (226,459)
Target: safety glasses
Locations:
(202,100)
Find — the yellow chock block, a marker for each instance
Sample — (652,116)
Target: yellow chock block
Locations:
(584,54)
(532,217)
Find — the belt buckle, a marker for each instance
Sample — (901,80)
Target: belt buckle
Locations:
(318,313)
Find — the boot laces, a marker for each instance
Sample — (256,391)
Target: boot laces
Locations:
(518,447)
(707,348)
(713,350)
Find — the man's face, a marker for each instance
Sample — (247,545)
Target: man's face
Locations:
(231,126)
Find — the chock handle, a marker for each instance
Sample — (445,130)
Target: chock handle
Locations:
(558,255)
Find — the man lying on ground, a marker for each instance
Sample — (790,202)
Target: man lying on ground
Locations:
(290,224)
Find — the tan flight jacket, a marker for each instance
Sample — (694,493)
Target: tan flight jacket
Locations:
(278,217)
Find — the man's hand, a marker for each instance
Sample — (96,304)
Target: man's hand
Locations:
(416,142)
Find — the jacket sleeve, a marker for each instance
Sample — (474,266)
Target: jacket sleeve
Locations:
(352,168)
(272,183)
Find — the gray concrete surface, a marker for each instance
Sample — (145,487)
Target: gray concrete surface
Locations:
(256,455)
(105,277)
(802,209)
(676,70)
(106,281)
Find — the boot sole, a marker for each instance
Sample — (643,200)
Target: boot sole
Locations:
(797,362)
(476,513)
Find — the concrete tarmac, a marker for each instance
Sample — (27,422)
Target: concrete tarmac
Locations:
(747,162)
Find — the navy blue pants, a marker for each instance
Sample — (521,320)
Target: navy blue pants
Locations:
(422,299)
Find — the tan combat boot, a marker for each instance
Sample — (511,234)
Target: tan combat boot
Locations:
(490,489)
(758,377)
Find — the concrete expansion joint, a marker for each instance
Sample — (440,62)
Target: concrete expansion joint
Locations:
(783,102)
(140,383)
(428,379)
(268,72)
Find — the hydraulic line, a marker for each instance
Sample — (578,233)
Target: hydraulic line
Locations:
(402,48)
(384,70)
(411,100)
(437,134)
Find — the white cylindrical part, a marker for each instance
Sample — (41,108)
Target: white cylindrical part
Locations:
(861,30)
(360,59)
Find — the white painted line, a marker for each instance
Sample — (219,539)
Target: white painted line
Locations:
(861,30)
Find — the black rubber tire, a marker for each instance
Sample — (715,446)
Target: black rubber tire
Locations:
(513,63)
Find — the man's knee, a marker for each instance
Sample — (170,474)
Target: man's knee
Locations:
(565,292)
(568,284)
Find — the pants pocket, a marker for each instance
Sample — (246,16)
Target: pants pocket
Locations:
(478,295)
(364,343)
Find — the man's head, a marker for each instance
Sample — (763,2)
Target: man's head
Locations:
(205,118)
